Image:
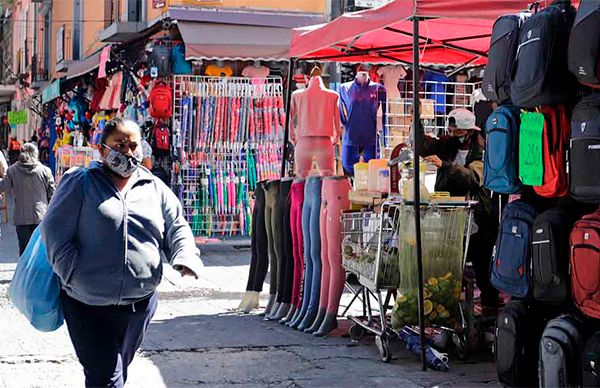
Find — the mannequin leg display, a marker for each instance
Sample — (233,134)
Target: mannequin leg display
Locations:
(335,192)
(351,156)
(313,197)
(314,147)
(272,192)
(260,253)
(286,272)
(297,200)
(308,264)
(324,268)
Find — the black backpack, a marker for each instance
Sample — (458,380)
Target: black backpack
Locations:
(518,330)
(160,57)
(584,49)
(503,48)
(590,362)
(550,255)
(541,75)
(584,152)
(561,346)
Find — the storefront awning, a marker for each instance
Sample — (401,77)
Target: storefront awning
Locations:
(77,68)
(234,41)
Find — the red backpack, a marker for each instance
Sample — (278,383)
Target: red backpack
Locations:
(161,139)
(585,264)
(555,140)
(161,101)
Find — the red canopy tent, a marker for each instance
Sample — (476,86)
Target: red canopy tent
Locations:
(453,32)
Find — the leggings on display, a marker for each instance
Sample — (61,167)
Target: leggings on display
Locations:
(297,197)
(260,246)
(271,221)
(351,156)
(312,248)
(334,200)
(286,263)
(317,147)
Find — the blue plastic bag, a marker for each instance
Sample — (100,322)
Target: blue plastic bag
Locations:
(35,288)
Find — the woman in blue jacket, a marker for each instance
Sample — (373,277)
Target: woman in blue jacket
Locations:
(106,230)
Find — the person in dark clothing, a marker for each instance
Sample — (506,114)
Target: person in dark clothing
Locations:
(459,159)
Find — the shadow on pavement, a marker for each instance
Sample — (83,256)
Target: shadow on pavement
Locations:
(231,349)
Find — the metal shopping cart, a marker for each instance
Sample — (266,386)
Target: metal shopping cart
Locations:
(376,248)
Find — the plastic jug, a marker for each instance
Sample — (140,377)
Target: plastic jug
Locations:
(361,175)
(383,181)
(376,165)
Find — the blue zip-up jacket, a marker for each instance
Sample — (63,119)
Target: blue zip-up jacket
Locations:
(358,110)
(106,245)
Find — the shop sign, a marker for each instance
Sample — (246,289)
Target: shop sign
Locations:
(60,44)
(17,117)
(370,3)
(51,92)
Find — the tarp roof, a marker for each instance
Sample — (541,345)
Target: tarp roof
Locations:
(454,32)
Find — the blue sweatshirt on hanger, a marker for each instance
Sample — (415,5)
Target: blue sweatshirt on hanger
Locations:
(358,109)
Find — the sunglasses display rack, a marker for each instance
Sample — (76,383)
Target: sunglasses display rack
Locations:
(231,133)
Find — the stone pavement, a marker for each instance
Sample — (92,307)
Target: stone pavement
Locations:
(195,339)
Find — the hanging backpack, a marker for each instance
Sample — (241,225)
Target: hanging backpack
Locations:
(510,265)
(584,50)
(500,172)
(518,329)
(549,253)
(555,140)
(180,65)
(161,101)
(160,57)
(585,264)
(590,362)
(542,76)
(584,153)
(160,140)
(560,351)
(503,48)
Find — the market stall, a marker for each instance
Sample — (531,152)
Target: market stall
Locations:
(392,33)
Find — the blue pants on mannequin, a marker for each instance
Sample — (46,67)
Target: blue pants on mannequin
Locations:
(311,212)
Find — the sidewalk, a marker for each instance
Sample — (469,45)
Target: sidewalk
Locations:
(195,339)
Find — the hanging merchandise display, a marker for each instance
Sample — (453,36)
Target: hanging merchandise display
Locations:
(230,130)
(68,156)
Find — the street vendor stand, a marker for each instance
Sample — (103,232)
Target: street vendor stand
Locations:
(454,32)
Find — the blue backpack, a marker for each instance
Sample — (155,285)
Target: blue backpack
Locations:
(501,157)
(511,262)
(180,65)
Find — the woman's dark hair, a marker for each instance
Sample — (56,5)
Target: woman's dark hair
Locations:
(111,126)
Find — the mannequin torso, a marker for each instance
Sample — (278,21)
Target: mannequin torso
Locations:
(315,112)
(391,76)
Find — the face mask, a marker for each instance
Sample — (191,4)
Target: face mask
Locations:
(120,164)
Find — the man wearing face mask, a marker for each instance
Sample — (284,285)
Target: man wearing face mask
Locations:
(459,159)
(106,230)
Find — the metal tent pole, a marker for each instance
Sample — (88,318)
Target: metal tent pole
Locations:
(418,136)
(288,100)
